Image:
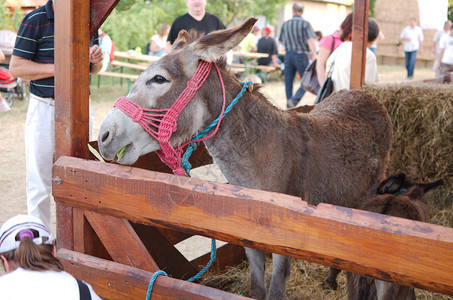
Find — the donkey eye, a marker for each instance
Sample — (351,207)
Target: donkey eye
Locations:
(157,79)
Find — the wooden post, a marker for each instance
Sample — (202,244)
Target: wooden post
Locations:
(359,43)
(72,24)
(100,10)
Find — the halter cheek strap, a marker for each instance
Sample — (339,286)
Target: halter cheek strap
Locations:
(161,123)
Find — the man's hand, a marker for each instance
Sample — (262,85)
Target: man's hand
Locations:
(96,54)
(96,57)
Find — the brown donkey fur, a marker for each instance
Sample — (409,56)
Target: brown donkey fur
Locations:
(399,198)
(336,154)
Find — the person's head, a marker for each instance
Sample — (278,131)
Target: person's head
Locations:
(164,29)
(413,22)
(447,26)
(373,30)
(25,242)
(196,7)
(318,35)
(256,30)
(298,9)
(346,28)
(267,31)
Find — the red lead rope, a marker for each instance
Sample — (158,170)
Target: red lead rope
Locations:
(161,123)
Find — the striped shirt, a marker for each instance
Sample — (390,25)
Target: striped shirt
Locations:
(294,34)
(35,42)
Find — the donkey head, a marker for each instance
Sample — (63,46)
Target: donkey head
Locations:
(159,86)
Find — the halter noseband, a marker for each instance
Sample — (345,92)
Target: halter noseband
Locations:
(161,123)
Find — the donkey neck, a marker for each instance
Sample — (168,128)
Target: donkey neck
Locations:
(250,135)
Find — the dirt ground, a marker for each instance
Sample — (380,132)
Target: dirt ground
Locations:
(12,160)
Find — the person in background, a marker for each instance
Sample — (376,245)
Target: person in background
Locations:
(249,43)
(27,251)
(380,37)
(33,59)
(412,36)
(341,60)
(3,105)
(445,63)
(299,39)
(159,41)
(197,18)
(325,46)
(436,48)
(266,44)
(105,43)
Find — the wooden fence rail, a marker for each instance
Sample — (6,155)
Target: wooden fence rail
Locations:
(407,252)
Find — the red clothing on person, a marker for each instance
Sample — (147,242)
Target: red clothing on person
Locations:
(326,41)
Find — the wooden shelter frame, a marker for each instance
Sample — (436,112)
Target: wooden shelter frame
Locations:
(109,235)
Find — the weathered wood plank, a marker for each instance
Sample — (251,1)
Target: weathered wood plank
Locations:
(359,43)
(389,248)
(100,10)
(121,241)
(111,280)
(72,17)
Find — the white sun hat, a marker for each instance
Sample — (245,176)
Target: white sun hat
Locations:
(20,226)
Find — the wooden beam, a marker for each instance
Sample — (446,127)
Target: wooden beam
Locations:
(400,250)
(72,20)
(359,43)
(100,10)
(111,280)
(121,241)
(166,255)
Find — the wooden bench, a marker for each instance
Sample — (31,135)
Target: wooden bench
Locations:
(130,78)
(123,64)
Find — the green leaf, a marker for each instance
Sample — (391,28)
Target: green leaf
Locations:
(96,153)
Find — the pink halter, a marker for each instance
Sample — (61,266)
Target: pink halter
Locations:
(165,120)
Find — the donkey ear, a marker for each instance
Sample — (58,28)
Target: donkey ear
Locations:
(182,40)
(392,184)
(212,46)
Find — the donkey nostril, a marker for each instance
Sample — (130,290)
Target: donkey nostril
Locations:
(105,136)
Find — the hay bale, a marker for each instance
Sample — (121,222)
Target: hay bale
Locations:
(422,117)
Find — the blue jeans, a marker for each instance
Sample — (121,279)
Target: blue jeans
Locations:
(294,62)
(410,62)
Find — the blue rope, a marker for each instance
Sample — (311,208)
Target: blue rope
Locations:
(399,192)
(151,283)
(192,146)
(213,255)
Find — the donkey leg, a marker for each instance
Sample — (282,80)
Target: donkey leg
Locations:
(257,285)
(280,273)
(331,280)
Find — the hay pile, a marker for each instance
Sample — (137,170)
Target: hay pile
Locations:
(422,118)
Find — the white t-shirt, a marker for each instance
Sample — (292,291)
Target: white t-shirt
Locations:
(40,285)
(341,72)
(416,36)
(160,43)
(437,38)
(446,43)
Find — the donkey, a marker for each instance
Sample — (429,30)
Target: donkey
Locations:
(336,154)
(399,198)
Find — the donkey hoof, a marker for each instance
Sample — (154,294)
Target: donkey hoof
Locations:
(327,285)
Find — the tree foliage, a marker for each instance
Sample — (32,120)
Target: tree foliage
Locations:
(10,20)
(133,22)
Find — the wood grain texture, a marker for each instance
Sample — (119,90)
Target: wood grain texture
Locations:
(111,280)
(407,252)
(359,43)
(121,241)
